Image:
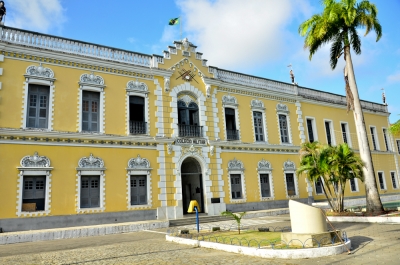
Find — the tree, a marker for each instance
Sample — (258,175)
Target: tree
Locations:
(333,166)
(237,217)
(395,128)
(337,25)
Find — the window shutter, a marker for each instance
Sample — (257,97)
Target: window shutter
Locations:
(90,111)
(85,195)
(38,105)
(95,191)
(265,187)
(40,187)
(138,190)
(29,188)
(258,126)
(236,186)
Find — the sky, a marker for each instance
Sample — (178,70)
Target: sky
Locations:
(255,37)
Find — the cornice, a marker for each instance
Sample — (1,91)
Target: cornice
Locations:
(81,62)
(256,92)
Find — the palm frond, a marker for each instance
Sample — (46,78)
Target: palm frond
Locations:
(336,49)
(355,40)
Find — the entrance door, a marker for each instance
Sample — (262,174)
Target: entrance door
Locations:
(192,184)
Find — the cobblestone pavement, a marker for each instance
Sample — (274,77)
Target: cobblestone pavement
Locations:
(372,244)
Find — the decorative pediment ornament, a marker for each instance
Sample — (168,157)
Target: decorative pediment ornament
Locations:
(282,107)
(136,85)
(289,165)
(191,150)
(235,165)
(40,71)
(35,161)
(185,44)
(92,79)
(91,162)
(264,165)
(186,99)
(257,104)
(138,163)
(229,100)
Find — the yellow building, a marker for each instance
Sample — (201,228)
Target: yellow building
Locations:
(91,134)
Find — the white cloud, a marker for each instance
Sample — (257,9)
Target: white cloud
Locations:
(39,15)
(237,33)
(394,78)
(132,40)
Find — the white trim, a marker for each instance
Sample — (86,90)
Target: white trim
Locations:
(271,183)
(296,184)
(348,134)
(314,128)
(20,183)
(375,138)
(383,178)
(333,138)
(237,170)
(264,119)
(396,179)
(356,184)
(397,146)
(146,110)
(148,187)
(387,142)
(289,128)
(102,207)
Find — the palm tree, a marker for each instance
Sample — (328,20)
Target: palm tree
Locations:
(337,25)
(237,217)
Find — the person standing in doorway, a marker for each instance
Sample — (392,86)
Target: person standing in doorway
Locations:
(2,10)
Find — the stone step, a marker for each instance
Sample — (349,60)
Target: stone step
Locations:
(203,219)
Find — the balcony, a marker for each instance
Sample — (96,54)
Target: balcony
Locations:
(137,127)
(232,135)
(190,130)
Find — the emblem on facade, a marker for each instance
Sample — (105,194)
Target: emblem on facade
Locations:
(264,165)
(186,75)
(136,85)
(166,83)
(92,79)
(35,161)
(255,103)
(289,165)
(212,150)
(40,71)
(91,162)
(282,107)
(191,150)
(229,100)
(208,91)
(235,165)
(138,163)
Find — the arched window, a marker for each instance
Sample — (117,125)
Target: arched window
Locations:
(188,119)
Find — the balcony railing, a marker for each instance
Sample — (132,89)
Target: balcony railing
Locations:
(137,127)
(190,130)
(232,135)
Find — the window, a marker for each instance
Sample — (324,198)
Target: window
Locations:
(138,190)
(230,122)
(38,106)
(258,126)
(90,191)
(394,180)
(290,185)
(236,186)
(283,126)
(373,137)
(90,111)
(353,185)
(188,119)
(328,131)
(265,185)
(137,124)
(398,146)
(344,133)
(381,179)
(33,195)
(310,130)
(385,139)
(318,186)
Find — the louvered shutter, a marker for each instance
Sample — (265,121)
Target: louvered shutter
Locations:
(95,191)
(29,188)
(265,187)
(85,195)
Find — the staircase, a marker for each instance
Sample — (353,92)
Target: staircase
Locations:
(203,219)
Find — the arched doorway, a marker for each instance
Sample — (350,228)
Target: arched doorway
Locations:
(192,183)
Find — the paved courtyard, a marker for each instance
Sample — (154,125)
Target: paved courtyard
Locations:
(372,244)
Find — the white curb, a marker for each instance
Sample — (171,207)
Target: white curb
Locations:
(365,219)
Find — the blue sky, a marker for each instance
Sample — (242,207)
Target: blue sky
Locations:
(256,37)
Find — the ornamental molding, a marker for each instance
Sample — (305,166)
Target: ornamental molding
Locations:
(264,165)
(166,83)
(282,108)
(186,64)
(257,104)
(235,165)
(138,163)
(35,161)
(191,151)
(289,165)
(187,100)
(40,72)
(91,162)
(229,100)
(91,80)
(136,86)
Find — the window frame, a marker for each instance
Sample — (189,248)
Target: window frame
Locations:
(314,128)
(229,101)
(132,93)
(99,191)
(348,134)
(90,106)
(395,179)
(235,167)
(289,167)
(374,138)
(283,109)
(383,179)
(315,187)
(258,106)
(332,132)
(355,184)
(398,145)
(264,167)
(386,139)
(38,108)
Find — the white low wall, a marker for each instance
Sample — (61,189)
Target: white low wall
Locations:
(365,219)
(265,253)
(272,212)
(79,231)
(359,201)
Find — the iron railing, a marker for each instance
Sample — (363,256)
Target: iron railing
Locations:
(190,130)
(232,135)
(137,127)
